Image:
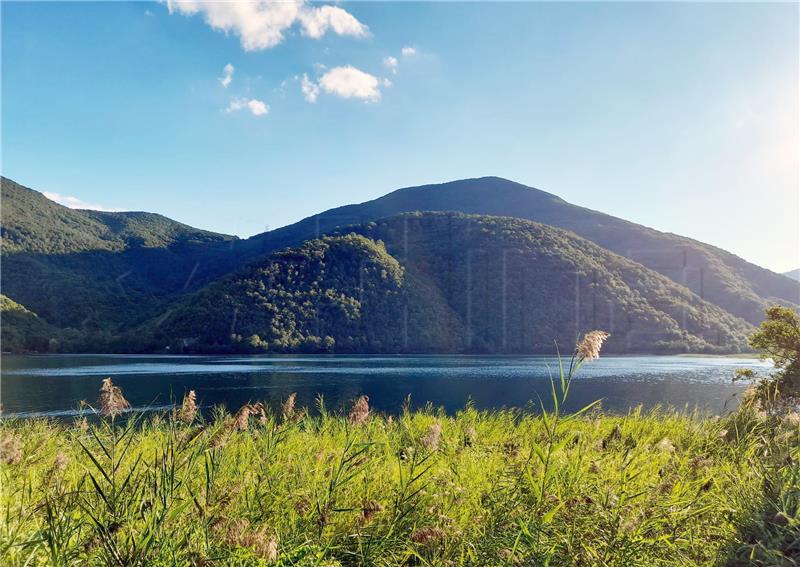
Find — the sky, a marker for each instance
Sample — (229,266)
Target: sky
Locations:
(243,117)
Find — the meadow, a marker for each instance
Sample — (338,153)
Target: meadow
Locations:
(286,487)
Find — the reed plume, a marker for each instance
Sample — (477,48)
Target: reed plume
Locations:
(432,437)
(589,347)
(112,402)
(10,449)
(241,420)
(287,408)
(260,410)
(82,424)
(240,533)
(360,412)
(370,509)
(428,536)
(188,408)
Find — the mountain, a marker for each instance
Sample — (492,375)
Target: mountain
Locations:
(97,271)
(793,274)
(720,277)
(94,279)
(444,282)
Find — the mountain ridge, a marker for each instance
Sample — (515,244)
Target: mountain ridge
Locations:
(793,274)
(102,273)
(96,270)
(720,276)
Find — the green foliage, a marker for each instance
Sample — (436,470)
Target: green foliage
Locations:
(24,331)
(723,279)
(477,488)
(32,223)
(778,339)
(436,282)
(98,272)
(96,276)
(336,293)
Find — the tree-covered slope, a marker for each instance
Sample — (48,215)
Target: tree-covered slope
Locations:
(720,277)
(33,223)
(339,293)
(102,274)
(22,330)
(437,282)
(97,271)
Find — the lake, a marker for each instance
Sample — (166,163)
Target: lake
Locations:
(54,385)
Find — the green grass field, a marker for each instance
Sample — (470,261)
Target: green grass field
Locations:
(419,488)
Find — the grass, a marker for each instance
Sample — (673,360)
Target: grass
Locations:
(420,488)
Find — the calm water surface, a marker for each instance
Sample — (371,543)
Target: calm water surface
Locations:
(54,385)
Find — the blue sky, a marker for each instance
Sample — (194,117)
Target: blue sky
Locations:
(679,116)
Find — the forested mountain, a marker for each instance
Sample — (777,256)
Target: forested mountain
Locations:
(720,277)
(97,271)
(445,282)
(22,330)
(98,280)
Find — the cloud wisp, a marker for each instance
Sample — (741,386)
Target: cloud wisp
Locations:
(262,24)
(391,63)
(227,75)
(75,203)
(309,88)
(254,106)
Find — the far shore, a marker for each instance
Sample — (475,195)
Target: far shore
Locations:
(742,355)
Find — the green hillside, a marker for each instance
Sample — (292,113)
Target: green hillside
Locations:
(35,224)
(22,330)
(436,282)
(98,271)
(720,277)
(97,278)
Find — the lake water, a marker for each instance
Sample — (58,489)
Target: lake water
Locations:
(54,385)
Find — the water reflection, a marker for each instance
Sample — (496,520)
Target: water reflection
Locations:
(55,385)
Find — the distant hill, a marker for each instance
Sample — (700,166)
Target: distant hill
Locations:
(437,282)
(91,277)
(96,271)
(720,277)
(793,274)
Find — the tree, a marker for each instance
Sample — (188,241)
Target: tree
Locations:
(778,339)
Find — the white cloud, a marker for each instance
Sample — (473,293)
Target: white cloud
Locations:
(227,75)
(310,89)
(255,106)
(345,82)
(75,203)
(349,82)
(261,24)
(408,51)
(390,63)
(317,21)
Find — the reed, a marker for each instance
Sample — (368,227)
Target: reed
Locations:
(475,488)
(505,487)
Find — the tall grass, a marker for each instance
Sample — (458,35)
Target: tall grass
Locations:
(423,488)
(419,488)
